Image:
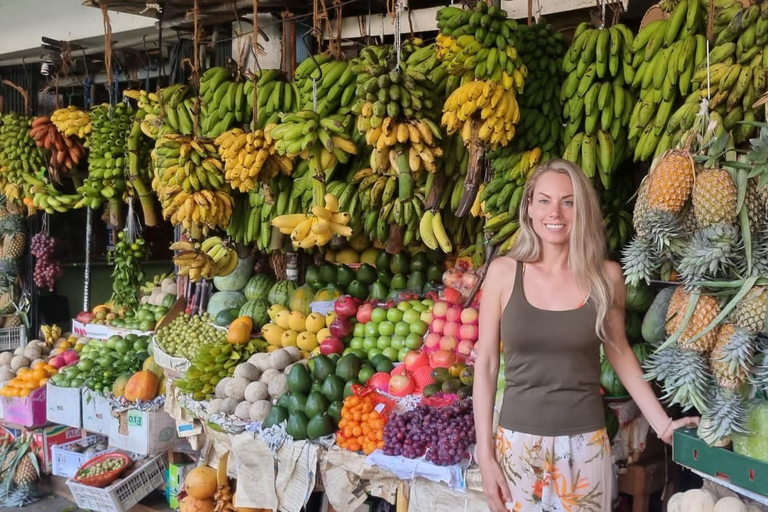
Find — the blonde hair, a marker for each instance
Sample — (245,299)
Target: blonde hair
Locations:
(587,237)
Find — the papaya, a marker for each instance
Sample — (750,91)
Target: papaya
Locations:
(142,386)
(118,387)
(151,365)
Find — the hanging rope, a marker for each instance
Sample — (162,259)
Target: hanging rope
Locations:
(255,47)
(107,44)
(398,49)
(710,24)
(20,90)
(196,66)
(337,42)
(530,12)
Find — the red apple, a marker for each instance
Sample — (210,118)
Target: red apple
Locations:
(439,309)
(364,313)
(469,316)
(437,326)
(442,358)
(465,347)
(432,340)
(453,314)
(331,345)
(401,385)
(415,359)
(345,306)
(448,343)
(451,329)
(468,332)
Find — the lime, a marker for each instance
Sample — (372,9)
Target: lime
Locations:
(122,346)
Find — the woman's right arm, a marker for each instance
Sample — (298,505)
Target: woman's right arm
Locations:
(484,390)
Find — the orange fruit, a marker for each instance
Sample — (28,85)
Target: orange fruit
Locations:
(39,373)
(23,392)
(38,364)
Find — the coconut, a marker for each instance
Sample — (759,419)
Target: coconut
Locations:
(19,351)
(221,387)
(32,352)
(5,358)
(215,405)
(295,352)
(256,391)
(268,375)
(247,371)
(19,362)
(235,388)
(260,361)
(242,410)
(280,358)
(228,406)
(278,386)
(260,410)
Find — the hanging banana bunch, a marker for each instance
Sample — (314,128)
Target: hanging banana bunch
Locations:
(206,260)
(189,182)
(335,88)
(253,213)
(140,172)
(224,102)
(317,228)
(178,114)
(19,156)
(48,198)
(248,158)
(274,95)
(72,121)
(597,101)
(149,104)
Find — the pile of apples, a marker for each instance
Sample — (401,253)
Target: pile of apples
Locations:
(453,329)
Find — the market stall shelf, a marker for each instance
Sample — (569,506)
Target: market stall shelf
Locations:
(64,405)
(96,412)
(68,457)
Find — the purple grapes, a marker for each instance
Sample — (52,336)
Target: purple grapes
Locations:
(47,269)
(444,434)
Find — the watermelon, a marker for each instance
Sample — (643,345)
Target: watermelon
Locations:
(639,297)
(258,286)
(610,381)
(226,317)
(256,309)
(220,301)
(280,293)
(237,280)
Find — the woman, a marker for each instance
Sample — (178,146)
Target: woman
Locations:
(551,303)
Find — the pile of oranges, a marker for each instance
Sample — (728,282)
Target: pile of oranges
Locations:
(28,379)
(361,426)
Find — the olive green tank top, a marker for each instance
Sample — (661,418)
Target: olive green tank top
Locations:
(552,368)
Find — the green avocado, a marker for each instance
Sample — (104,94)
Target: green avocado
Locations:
(358,289)
(277,415)
(383,260)
(400,264)
(344,276)
(379,291)
(297,425)
(320,426)
(435,273)
(328,273)
(419,262)
(312,277)
(316,404)
(366,274)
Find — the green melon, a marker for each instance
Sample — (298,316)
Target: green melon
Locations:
(258,287)
(257,310)
(281,292)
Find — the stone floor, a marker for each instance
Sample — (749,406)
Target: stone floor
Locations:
(56,503)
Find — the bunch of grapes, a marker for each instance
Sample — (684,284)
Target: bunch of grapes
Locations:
(47,269)
(447,432)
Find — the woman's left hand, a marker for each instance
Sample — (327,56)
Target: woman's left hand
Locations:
(689,421)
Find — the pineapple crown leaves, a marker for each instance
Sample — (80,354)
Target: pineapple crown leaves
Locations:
(727,414)
(715,149)
(684,376)
(710,252)
(639,261)
(737,352)
(756,158)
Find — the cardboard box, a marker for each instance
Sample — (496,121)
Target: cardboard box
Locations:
(29,411)
(96,412)
(63,405)
(94,331)
(141,432)
(46,437)
(174,481)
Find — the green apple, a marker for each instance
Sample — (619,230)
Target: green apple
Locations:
(356,342)
(419,327)
(374,352)
(386,328)
(372,329)
(398,342)
(358,330)
(378,315)
(401,354)
(404,306)
(413,341)
(384,342)
(411,316)
(428,302)
(370,342)
(394,315)
(391,353)
(402,329)
(419,307)
(426,316)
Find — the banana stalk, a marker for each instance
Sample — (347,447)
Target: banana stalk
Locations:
(472,181)
(144,192)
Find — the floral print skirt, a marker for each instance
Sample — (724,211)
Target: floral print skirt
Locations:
(557,474)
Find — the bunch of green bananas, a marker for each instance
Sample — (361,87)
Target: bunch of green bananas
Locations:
(378,223)
(273,95)
(541,50)
(335,89)
(127,273)
(736,76)
(72,121)
(617,214)
(480,44)
(189,181)
(206,260)
(107,159)
(597,100)
(156,281)
(323,141)
(19,156)
(474,251)
(248,159)
(178,109)
(47,198)
(422,58)
(254,211)
(224,102)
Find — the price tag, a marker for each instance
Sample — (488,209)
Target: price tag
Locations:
(135,418)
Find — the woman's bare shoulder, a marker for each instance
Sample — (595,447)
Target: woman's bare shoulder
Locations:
(613,271)
(501,269)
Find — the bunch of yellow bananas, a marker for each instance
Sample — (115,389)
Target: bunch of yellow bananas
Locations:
(486,105)
(50,333)
(420,138)
(190,183)
(149,110)
(248,158)
(315,230)
(433,233)
(72,121)
(205,260)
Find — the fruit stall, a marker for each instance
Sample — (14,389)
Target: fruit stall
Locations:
(280,243)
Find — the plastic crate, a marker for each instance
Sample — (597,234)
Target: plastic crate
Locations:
(745,472)
(125,492)
(67,462)
(12,338)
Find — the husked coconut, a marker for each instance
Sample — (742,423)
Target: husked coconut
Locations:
(268,375)
(278,386)
(32,353)
(5,358)
(19,351)
(260,410)
(215,405)
(19,362)
(228,406)
(294,352)
(260,361)
(247,371)
(235,388)
(730,504)
(6,373)
(256,391)
(699,500)
(280,358)
(221,387)
(243,410)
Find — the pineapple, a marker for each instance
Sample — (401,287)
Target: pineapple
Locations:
(726,415)
(750,312)
(757,208)
(25,473)
(712,252)
(20,473)
(12,321)
(715,198)
(670,183)
(759,377)
(639,216)
(684,376)
(13,245)
(706,310)
(731,358)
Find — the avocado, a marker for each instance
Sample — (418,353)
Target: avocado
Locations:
(378,358)
(400,264)
(399,282)
(383,260)
(344,276)
(348,388)
(316,404)
(328,273)
(333,388)
(467,376)
(358,289)
(434,273)
(379,291)
(323,367)
(348,367)
(320,426)
(312,277)
(385,366)
(299,380)
(385,276)
(334,410)
(464,392)
(435,256)
(297,425)
(416,280)
(440,375)
(297,402)
(277,415)
(366,274)
(366,372)
(419,262)
(431,390)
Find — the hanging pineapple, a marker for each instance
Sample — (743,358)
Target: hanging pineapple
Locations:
(19,473)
